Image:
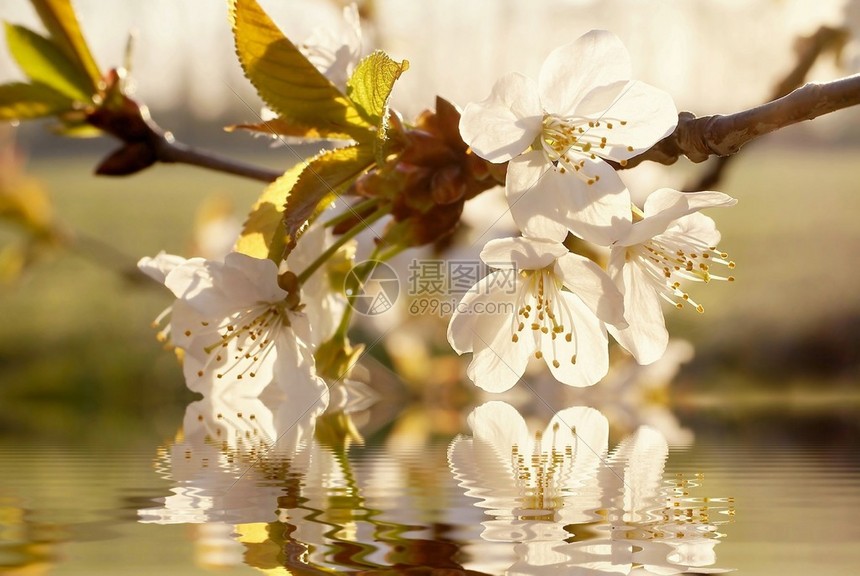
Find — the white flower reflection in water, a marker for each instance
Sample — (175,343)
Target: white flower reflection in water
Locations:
(234,459)
(566,503)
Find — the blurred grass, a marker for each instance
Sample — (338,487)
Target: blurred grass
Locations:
(77,335)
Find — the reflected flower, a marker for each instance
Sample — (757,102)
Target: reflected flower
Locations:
(235,458)
(605,513)
(548,475)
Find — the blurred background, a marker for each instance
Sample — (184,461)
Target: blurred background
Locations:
(75,335)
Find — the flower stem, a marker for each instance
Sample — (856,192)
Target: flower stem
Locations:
(346,237)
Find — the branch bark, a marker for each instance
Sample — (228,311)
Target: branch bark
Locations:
(723,135)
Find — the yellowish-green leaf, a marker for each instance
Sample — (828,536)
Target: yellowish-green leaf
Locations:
(371,84)
(281,127)
(286,80)
(321,183)
(62,23)
(19,101)
(42,61)
(299,195)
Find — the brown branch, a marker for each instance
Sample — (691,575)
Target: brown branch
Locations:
(808,49)
(169,151)
(723,135)
(145,143)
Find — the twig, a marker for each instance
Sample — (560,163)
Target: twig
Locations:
(719,135)
(170,152)
(145,143)
(808,49)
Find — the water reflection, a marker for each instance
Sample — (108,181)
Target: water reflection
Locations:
(280,485)
(560,501)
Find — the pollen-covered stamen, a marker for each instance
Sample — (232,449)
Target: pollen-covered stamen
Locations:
(566,140)
(246,340)
(542,309)
(539,475)
(671,258)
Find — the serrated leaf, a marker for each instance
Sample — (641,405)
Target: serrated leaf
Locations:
(42,61)
(19,101)
(286,80)
(371,83)
(301,193)
(62,24)
(282,127)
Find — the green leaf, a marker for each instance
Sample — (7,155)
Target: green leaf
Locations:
(60,20)
(19,101)
(370,85)
(286,80)
(287,204)
(42,61)
(281,127)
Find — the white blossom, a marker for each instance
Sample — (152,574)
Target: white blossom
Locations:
(556,134)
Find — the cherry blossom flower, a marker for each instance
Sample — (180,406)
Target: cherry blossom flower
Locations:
(237,328)
(670,244)
(541,301)
(556,134)
(335,54)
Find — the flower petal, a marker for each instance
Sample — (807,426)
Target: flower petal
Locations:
(646,336)
(664,206)
(159,267)
(585,428)
(593,286)
(547,203)
(571,71)
(501,426)
(585,359)
(521,253)
(506,122)
(696,226)
(640,116)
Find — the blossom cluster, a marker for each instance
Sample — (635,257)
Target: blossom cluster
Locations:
(244,323)
(560,137)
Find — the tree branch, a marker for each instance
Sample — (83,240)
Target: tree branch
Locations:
(145,143)
(719,135)
(808,50)
(170,152)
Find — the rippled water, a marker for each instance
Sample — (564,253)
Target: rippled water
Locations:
(760,495)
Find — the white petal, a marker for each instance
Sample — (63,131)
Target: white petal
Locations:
(588,430)
(698,226)
(640,115)
(646,336)
(593,286)
(261,275)
(547,203)
(521,253)
(159,267)
(506,123)
(532,195)
(571,71)
(483,324)
(500,425)
(589,345)
(600,212)
(642,458)
(461,328)
(664,206)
